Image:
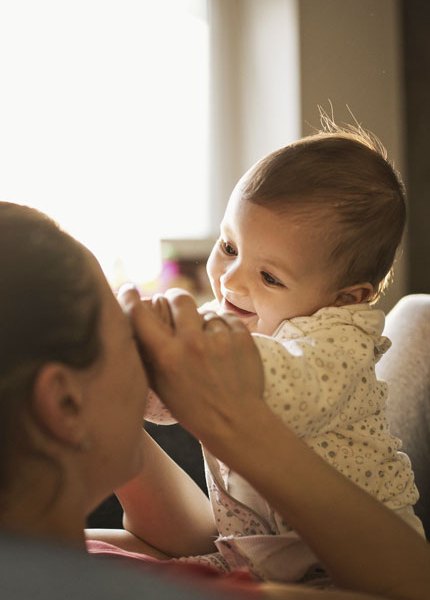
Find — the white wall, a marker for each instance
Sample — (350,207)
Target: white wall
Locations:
(269,77)
(255,102)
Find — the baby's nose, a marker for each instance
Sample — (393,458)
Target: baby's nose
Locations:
(234,280)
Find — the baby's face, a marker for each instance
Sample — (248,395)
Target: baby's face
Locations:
(267,267)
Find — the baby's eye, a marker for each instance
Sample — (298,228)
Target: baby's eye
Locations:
(228,248)
(270,280)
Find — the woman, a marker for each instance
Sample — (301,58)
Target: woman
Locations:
(72,399)
(71,381)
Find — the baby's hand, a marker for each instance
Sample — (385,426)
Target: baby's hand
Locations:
(210,306)
(156,307)
(161,307)
(128,296)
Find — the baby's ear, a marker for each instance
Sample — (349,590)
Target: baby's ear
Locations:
(355,294)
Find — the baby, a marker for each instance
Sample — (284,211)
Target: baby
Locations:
(307,245)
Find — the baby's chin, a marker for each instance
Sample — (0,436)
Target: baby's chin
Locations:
(255,325)
(252,321)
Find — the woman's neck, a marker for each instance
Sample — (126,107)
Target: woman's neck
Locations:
(44,506)
(46,529)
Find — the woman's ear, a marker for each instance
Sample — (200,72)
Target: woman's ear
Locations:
(57,404)
(354,294)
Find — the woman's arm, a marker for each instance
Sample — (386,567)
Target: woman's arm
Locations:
(363,545)
(166,514)
(211,380)
(164,507)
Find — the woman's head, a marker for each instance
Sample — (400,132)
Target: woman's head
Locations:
(49,305)
(59,326)
(49,308)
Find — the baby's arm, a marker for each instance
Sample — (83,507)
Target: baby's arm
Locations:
(156,412)
(295,391)
(309,380)
(292,386)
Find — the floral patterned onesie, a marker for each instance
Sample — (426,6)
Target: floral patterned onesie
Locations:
(320,380)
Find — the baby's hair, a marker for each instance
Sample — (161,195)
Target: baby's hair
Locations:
(346,172)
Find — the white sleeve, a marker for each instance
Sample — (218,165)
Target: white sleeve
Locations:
(156,411)
(309,380)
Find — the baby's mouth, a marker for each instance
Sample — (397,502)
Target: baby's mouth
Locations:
(240,312)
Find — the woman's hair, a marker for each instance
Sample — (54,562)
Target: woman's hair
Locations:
(346,173)
(49,310)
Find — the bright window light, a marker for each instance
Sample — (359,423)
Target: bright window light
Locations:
(104,122)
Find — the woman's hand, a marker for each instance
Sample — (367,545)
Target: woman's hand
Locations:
(205,368)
